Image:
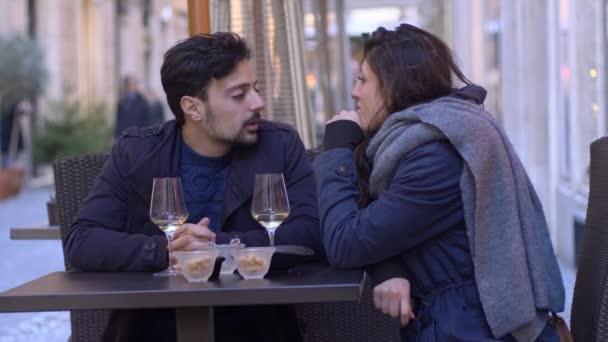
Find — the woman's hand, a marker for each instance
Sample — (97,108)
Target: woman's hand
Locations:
(392,297)
(191,237)
(346,115)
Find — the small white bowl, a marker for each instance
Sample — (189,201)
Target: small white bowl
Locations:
(229,265)
(196,266)
(253,262)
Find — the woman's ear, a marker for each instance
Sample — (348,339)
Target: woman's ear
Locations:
(192,107)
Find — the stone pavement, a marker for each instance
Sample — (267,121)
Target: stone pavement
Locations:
(24,260)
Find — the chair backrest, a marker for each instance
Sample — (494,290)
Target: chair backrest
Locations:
(74,178)
(590,302)
(346,321)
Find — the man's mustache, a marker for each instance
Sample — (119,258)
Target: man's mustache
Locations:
(255,116)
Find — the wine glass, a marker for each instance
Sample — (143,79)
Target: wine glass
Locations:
(168,211)
(270,205)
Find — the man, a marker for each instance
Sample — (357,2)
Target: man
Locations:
(216,144)
(133,108)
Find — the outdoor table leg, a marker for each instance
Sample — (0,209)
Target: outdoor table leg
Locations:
(195,324)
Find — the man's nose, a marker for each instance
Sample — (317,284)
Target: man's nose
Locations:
(258,102)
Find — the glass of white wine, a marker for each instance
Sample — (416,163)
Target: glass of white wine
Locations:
(168,211)
(270,204)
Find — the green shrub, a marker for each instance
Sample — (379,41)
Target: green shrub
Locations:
(74,130)
(22,70)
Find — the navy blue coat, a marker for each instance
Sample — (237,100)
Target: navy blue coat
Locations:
(415,230)
(113,231)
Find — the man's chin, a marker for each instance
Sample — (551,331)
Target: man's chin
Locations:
(247,139)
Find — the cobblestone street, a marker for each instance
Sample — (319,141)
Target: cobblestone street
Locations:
(25,260)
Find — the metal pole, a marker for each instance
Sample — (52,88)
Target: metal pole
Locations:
(199,20)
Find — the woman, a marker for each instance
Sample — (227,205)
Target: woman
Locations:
(421,186)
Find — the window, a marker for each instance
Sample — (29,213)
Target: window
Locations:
(565,122)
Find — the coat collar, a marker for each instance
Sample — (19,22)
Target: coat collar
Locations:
(246,162)
(160,160)
(240,181)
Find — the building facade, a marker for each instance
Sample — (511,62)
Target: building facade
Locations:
(90,45)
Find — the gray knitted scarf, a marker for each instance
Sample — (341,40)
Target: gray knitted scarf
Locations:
(516,271)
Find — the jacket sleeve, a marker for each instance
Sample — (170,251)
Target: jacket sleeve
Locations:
(97,240)
(385,270)
(423,200)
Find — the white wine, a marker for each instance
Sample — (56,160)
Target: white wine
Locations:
(169,223)
(271,221)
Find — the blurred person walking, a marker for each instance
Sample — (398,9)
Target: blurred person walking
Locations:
(156,113)
(14,138)
(133,108)
(11,132)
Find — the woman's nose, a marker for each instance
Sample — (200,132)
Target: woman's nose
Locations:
(355,92)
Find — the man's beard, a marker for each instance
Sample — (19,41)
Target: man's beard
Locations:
(241,138)
(244,138)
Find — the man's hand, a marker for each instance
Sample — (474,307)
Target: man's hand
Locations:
(191,237)
(392,297)
(346,115)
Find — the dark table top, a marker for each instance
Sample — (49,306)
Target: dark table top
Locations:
(95,290)
(36,233)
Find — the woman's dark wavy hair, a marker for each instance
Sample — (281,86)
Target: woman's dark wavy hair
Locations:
(190,66)
(412,66)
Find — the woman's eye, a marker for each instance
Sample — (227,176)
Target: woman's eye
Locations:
(238,96)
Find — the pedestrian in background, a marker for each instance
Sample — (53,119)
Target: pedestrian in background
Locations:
(157,112)
(133,108)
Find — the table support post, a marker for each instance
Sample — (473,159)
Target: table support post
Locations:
(195,324)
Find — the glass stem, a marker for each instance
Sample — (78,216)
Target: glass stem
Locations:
(169,239)
(271,237)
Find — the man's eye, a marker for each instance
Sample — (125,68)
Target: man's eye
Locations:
(238,96)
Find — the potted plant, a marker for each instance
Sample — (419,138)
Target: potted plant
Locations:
(22,77)
(71,130)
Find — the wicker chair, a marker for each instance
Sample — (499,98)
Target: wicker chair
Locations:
(74,179)
(346,321)
(590,303)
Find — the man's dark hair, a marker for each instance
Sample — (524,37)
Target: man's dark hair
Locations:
(189,66)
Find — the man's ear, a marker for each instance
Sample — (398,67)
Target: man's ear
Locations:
(192,107)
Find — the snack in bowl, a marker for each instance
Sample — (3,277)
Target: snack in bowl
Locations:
(197,266)
(253,263)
